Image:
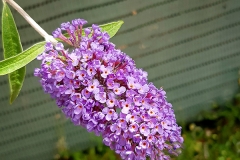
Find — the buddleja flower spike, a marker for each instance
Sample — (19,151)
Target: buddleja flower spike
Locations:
(100,88)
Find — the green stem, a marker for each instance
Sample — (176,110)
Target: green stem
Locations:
(39,29)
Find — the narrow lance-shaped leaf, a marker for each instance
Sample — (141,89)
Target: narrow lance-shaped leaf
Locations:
(110,28)
(11,47)
(14,63)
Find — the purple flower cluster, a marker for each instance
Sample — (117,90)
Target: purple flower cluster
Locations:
(100,88)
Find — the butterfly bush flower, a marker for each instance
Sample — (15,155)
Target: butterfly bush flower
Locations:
(99,87)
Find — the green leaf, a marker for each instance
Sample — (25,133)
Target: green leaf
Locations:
(11,47)
(110,28)
(14,63)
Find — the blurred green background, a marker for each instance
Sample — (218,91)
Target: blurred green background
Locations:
(189,47)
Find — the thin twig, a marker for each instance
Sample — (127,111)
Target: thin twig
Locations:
(39,29)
